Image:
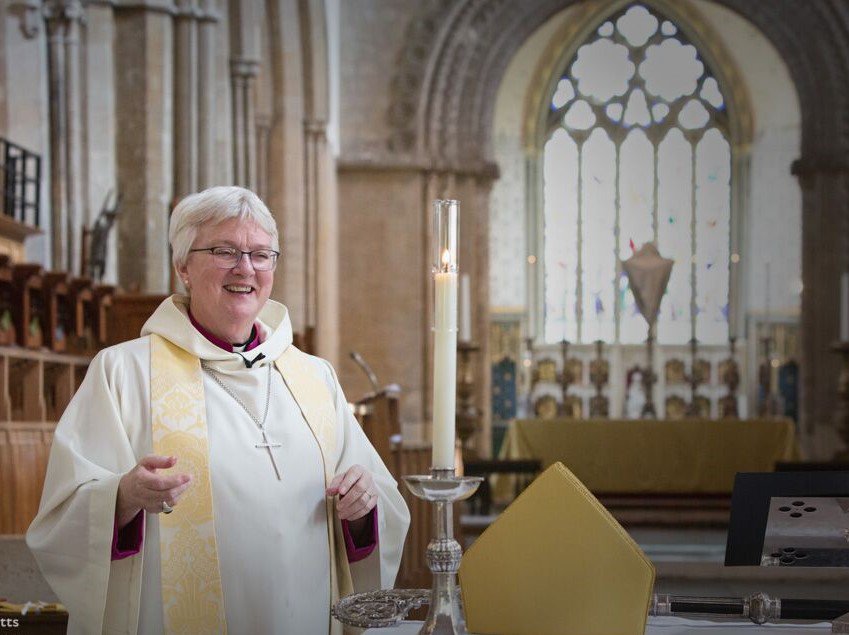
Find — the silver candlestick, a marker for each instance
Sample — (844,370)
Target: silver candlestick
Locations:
(443,489)
(376,609)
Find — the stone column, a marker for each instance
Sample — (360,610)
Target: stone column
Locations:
(322,242)
(473,188)
(186,115)
(63,19)
(286,155)
(99,115)
(243,73)
(313,133)
(206,43)
(144,85)
(825,255)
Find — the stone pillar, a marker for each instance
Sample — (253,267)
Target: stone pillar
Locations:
(206,151)
(825,255)
(186,114)
(323,242)
(243,73)
(286,156)
(99,129)
(473,188)
(63,19)
(144,85)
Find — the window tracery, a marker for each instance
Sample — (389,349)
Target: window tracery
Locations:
(637,150)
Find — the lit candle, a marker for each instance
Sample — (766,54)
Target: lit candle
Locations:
(465,309)
(445,333)
(844,307)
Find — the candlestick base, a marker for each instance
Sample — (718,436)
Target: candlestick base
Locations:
(377,609)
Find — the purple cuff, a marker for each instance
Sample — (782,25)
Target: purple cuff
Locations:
(360,552)
(127,542)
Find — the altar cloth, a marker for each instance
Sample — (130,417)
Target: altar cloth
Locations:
(649,456)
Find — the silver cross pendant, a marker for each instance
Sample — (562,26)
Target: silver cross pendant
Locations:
(269,445)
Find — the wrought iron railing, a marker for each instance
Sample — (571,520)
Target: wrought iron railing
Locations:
(20,183)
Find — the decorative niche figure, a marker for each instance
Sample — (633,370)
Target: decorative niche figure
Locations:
(635,397)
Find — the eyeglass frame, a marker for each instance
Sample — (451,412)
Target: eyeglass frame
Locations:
(241,253)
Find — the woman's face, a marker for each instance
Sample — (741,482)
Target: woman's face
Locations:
(227,301)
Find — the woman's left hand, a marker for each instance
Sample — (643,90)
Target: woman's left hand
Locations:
(357,493)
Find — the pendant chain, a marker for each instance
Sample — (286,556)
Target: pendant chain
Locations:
(218,380)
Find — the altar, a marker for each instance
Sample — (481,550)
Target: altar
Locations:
(692,456)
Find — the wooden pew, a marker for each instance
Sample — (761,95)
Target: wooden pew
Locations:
(28,305)
(35,388)
(57,311)
(81,299)
(7,302)
(127,313)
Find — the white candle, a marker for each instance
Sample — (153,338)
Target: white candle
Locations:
(444,369)
(465,309)
(844,307)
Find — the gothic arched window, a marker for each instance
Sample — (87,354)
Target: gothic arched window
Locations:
(637,150)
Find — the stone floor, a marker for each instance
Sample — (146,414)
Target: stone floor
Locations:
(20,579)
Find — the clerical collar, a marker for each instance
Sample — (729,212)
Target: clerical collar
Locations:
(241,347)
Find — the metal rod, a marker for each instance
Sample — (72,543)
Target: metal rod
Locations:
(758,607)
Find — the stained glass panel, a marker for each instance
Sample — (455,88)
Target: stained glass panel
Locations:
(671,69)
(560,178)
(636,210)
(603,70)
(674,234)
(637,110)
(693,115)
(563,94)
(614,111)
(619,127)
(606,29)
(579,116)
(713,219)
(598,238)
(710,93)
(637,25)
(659,112)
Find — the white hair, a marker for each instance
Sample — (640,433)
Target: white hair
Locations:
(211,207)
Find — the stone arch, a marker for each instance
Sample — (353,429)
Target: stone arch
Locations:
(692,25)
(457,54)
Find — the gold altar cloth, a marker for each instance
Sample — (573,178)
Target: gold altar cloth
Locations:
(650,456)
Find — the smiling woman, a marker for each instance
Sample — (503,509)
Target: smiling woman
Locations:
(225,300)
(178,446)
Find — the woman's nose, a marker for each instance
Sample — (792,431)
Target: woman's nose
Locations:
(244,264)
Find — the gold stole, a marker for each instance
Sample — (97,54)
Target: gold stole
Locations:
(192,596)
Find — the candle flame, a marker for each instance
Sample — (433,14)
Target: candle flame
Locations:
(446,257)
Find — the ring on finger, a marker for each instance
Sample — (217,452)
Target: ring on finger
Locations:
(166,508)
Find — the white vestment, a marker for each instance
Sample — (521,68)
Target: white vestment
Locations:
(272,537)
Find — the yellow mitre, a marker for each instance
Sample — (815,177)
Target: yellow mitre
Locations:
(556,562)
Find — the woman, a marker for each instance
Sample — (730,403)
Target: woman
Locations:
(209,476)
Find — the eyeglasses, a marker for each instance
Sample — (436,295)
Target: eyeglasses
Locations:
(229,257)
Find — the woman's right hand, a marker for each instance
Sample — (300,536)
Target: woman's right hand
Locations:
(144,488)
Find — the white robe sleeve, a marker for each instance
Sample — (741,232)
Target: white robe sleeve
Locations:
(71,537)
(380,567)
